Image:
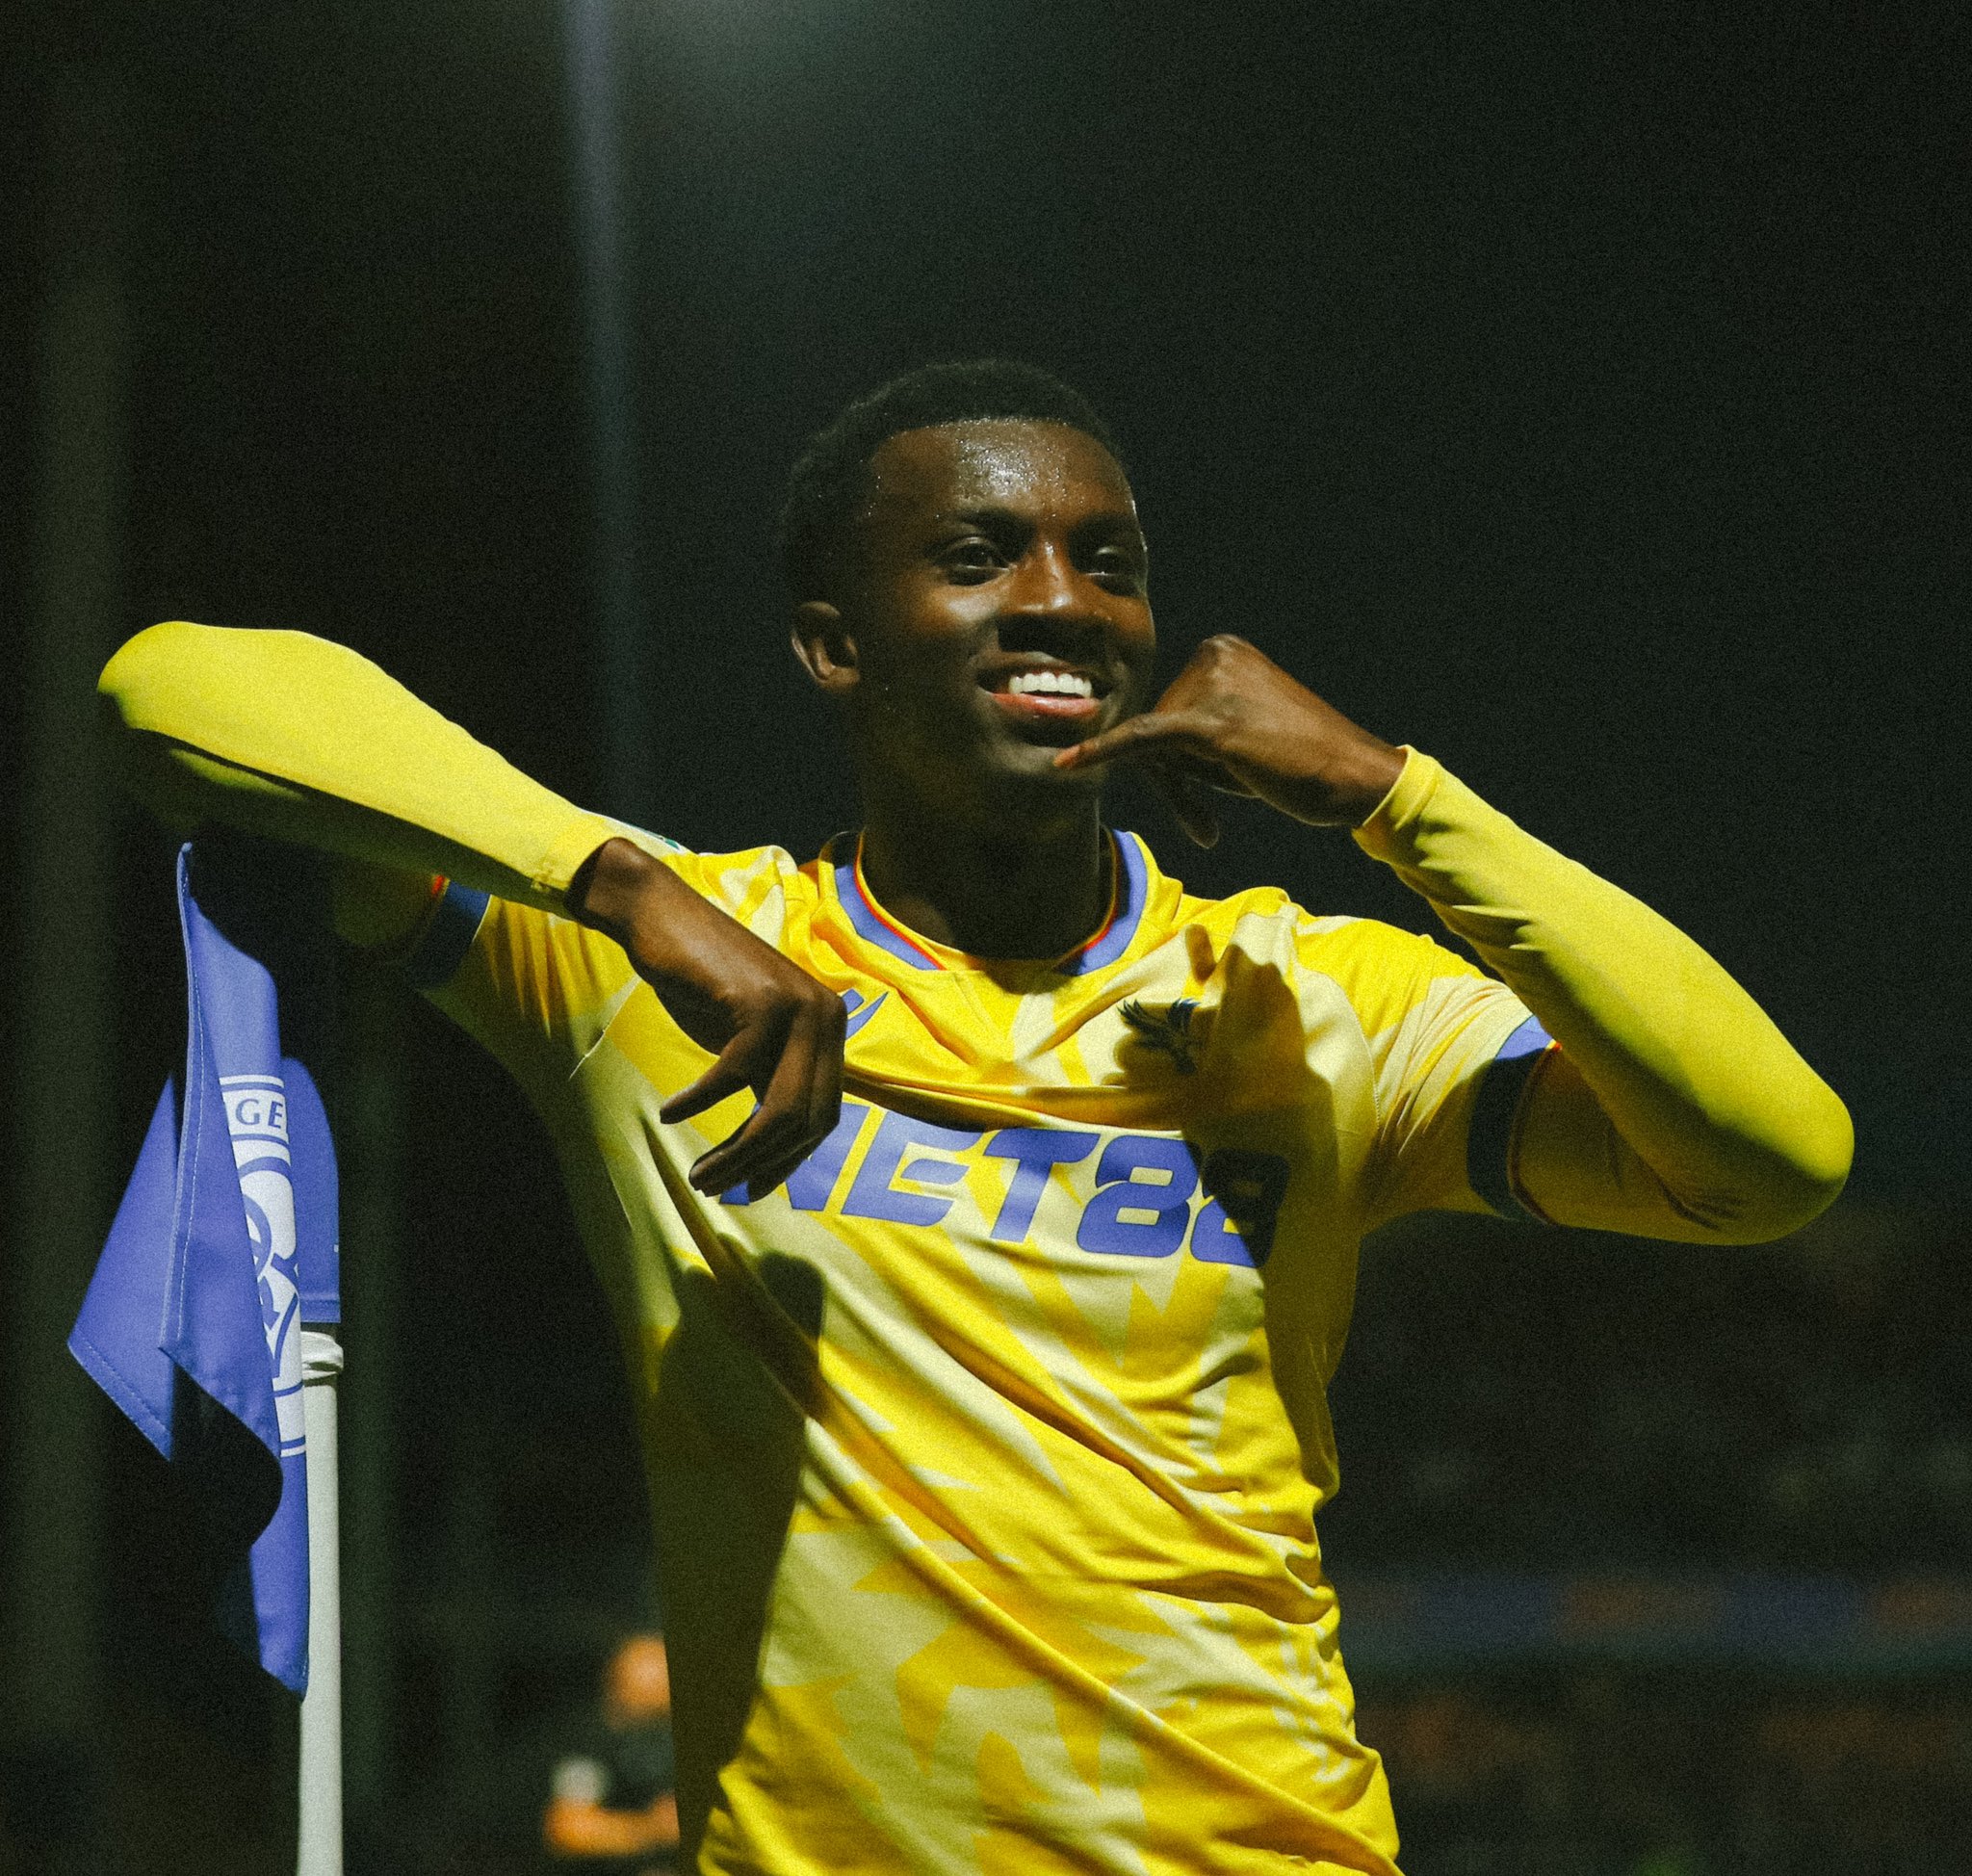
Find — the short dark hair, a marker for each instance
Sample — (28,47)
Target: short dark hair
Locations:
(829,481)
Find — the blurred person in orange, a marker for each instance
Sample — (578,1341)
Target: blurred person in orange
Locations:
(612,1805)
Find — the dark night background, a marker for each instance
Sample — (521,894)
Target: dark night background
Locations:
(1578,393)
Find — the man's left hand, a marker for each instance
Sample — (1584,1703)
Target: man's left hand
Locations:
(1234,722)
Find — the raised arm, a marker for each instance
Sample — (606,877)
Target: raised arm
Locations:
(300,740)
(292,737)
(1674,1107)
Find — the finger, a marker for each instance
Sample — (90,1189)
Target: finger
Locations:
(824,1111)
(1156,729)
(776,1130)
(824,1075)
(825,1089)
(811,1070)
(738,1160)
(728,1074)
(761,1183)
(766,1137)
(1217,777)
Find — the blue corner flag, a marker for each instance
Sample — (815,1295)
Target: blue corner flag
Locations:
(224,1244)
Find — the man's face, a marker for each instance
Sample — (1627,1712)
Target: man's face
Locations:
(636,1688)
(996,600)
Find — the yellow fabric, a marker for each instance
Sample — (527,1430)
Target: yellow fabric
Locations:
(1677,1109)
(1050,1575)
(296,738)
(985,1456)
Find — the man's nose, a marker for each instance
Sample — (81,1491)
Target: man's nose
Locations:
(1048,585)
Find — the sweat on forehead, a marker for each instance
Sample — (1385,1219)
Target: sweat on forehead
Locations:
(829,484)
(999,462)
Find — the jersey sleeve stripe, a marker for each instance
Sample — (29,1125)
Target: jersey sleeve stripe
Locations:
(447,937)
(1489,1139)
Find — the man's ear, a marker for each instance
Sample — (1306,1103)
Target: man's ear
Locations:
(825,646)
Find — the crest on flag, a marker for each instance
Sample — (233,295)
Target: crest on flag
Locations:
(226,1238)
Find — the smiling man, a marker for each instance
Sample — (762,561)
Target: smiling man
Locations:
(979,1209)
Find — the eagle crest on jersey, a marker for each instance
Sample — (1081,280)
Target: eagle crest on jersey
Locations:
(1169,1031)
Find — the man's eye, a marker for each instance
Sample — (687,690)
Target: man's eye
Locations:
(976,556)
(1117,571)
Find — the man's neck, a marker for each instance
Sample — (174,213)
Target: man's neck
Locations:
(1032,891)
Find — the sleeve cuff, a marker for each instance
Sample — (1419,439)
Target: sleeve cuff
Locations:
(569,848)
(1386,834)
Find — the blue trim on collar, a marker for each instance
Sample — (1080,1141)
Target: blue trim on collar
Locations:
(1132,893)
(1132,890)
(863,916)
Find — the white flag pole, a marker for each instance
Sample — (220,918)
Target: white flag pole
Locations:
(320,1846)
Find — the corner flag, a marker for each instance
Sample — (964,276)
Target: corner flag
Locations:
(224,1243)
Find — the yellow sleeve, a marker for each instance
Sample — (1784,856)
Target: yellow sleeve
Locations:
(299,739)
(534,990)
(1433,1025)
(1674,1107)
(537,990)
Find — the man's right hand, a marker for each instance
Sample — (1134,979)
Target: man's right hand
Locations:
(772,1026)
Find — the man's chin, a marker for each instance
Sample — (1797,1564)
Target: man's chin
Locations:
(1031,749)
(1041,745)
(1027,773)
(989,768)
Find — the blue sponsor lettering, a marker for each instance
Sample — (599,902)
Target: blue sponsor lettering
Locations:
(1035,1151)
(873,1195)
(1119,1190)
(1146,1185)
(1244,1192)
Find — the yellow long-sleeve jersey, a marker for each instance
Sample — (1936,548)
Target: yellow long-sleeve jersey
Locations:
(985,1454)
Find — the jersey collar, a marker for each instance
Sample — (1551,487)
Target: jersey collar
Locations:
(1127,892)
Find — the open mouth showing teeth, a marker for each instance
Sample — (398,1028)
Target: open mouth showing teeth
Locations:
(1049,706)
(1049,684)
(1053,703)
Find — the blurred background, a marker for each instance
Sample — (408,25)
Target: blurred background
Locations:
(1602,372)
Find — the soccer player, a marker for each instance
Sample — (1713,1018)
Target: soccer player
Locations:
(979,1208)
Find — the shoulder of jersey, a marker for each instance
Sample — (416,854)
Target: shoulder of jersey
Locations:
(740,882)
